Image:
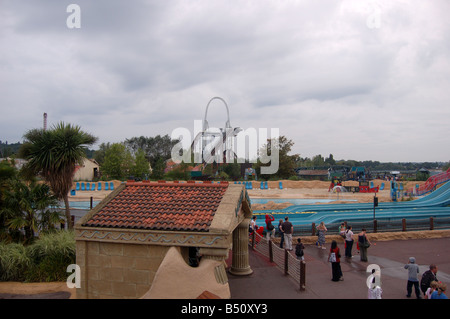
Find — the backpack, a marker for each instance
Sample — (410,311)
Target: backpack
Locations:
(270,226)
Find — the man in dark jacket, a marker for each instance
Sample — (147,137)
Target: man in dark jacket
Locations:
(427,277)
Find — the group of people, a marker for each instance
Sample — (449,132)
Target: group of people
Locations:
(429,285)
(334,256)
(362,245)
(285,229)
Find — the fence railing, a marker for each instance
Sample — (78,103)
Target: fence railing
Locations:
(380,225)
(283,259)
(431,183)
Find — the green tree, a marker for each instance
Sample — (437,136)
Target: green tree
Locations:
(117,162)
(141,167)
(446,166)
(330,160)
(180,173)
(318,161)
(287,163)
(233,170)
(53,154)
(158,169)
(99,155)
(155,148)
(7,173)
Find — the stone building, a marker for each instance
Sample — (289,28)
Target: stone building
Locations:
(140,241)
(86,171)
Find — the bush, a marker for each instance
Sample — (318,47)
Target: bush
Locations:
(50,256)
(13,262)
(45,260)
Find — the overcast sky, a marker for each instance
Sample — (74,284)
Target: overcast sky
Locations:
(363,80)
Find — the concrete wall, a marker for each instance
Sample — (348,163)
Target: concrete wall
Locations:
(86,171)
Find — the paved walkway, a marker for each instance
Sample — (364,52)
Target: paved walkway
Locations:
(269,282)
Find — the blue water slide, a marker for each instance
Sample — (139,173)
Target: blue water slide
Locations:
(432,205)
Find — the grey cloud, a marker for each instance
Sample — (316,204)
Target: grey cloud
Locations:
(150,66)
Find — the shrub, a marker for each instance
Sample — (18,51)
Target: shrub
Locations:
(50,256)
(13,262)
(44,260)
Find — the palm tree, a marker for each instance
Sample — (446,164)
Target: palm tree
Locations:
(24,203)
(53,154)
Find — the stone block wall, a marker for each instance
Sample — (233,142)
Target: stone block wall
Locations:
(117,270)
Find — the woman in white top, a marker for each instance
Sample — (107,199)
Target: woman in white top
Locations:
(348,242)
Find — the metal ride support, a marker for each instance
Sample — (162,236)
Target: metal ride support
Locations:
(223,145)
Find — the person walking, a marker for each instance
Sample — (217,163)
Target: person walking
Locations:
(413,271)
(364,243)
(428,277)
(270,229)
(299,250)
(280,232)
(288,230)
(348,242)
(335,258)
(321,230)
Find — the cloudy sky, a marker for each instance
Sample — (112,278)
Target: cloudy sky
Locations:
(361,79)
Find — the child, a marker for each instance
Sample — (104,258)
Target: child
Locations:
(433,286)
(375,291)
(413,271)
(299,250)
(439,293)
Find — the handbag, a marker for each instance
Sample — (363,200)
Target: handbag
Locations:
(332,258)
(366,244)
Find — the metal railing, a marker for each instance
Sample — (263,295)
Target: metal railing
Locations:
(380,225)
(283,259)
(431,183)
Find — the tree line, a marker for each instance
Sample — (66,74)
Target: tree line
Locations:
(53,154)
(145,158)
(320,161)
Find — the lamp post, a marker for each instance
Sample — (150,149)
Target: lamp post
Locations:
(375,204)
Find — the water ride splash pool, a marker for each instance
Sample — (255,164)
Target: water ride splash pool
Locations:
(82,204)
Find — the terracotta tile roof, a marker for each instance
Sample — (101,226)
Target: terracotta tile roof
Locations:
(161,206)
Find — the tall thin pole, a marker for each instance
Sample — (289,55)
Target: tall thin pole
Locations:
(45,121)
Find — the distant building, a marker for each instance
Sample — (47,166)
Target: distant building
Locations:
(313,174)
(18,162)
(87,171)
